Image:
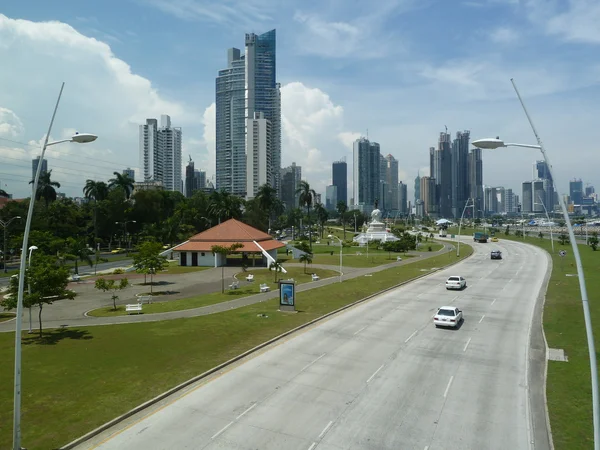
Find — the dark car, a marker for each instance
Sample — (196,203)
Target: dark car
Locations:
(496,254)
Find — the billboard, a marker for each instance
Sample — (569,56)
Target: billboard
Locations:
(287,295)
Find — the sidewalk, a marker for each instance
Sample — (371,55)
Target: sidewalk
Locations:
(224,306)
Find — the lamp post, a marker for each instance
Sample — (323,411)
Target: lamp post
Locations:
(497,143)
(31,249)
(331,236)
(547,217)
(5,225)
(127,242)
(80,138)
(460,225)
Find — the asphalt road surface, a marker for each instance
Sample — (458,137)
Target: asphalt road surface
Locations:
(379,376)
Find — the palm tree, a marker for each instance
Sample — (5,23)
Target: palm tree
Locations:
(77,251)
(46,187)
(307,196)
(305,258)
(322,216)
(3,193)
(268,201)
(123,181)
(98,191)
(341,209)
(275,266)
(223,205)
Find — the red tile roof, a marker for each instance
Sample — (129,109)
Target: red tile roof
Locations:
(230,232)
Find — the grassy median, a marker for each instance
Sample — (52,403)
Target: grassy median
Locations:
(76,379)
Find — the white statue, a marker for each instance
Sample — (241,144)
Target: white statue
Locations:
(376,214)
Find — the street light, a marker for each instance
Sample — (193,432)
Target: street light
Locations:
(497,143)
(547,217)
(31,249)
(5,225)
(331,236)
(460,225)
(80,138)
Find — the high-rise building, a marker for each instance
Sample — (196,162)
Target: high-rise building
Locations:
(501,200)
(527,204)
(263,92)
(491,200)
(259,168)
(441,170)
(428,188)
(190,180)
(417,188)
(402,198)
(366,174)
(476,180)
(130,173)
(34,166)
(390,176)
(331,198)
(460,172)
(199,179)
(339,178)
(589,190)
(549,193)
(509,205)
(576,191)
(290,183)
(539,196)
(160,153)
(230,103)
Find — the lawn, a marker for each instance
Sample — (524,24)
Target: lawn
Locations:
(568,388)
(76,379)
(260,276)
(4,316)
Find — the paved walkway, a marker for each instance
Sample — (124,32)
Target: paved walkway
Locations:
(67,313)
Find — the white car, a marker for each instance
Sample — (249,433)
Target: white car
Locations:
(447,316)
(456,283)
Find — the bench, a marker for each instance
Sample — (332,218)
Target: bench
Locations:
(234,285)
(398,258)
(144,299)
(358,253)
(315,277)
(137,307)
(264,287)
(250,277)
(75,277)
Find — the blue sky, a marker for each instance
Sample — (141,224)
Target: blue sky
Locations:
(403,69)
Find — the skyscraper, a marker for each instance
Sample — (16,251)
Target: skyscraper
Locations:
(190,181)
(539,196)
(460,172)
(441,170)
(366,174)
(34,166)
(402,198)
(331,199)
(390,176)
(417,188)
(130,173)
(476,180)
(259,169)
(428,187)
(527,205)
(510,204)
(290,183)
(160,153)
(576,191)
(339,178)
(544,174)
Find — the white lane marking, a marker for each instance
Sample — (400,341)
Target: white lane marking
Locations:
(325,429)
(426,447)
(466,345)
(448,387)
(376,372)
(411,336)
(248,410)
(311,363)
(481,318)
(455,298)
(313,445)
(356,332)
(517,274)
(222,430)
(494,301)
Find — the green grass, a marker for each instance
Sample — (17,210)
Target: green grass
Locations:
(76,379)
(260,276)
(568,390)
(6,316)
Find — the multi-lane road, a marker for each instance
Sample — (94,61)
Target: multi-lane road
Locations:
(379,376)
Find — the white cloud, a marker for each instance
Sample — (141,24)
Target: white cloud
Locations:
(11,126)
(207,145)
(504,35)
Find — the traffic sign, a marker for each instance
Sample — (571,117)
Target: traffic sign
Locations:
(562,253)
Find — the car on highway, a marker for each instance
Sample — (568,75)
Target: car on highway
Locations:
(496,254)
(456,282)
(447,316)
(494,239)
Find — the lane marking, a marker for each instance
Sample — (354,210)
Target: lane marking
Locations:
(325,429)
(313,445)
(494,301)
(481,318)
(517,274)
(222,430)
(311,363)
(448,387)
(356,332)
(426,447)
(411,336)
(248,410)
(376,372)
(466,345)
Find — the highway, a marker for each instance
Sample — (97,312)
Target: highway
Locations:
(379,376)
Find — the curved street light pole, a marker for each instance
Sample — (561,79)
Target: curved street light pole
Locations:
(5,225)
(496,143)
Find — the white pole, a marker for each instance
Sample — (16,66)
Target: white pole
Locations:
(29,288)
(19,321)
(582,287)
(460,225)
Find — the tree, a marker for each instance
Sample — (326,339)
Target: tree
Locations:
(276,267)
(47,282)
(224,206)
(77,250)
(224,251)
(563,239)
(593,241)
(306,258)
(148,260)
(97,191)
(507,231)
(541,235)
(341,209)
(322,216)
(268,201)
(122,181)
(46,187)
(105,285)
(307,196)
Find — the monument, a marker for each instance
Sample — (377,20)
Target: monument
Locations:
(376,230)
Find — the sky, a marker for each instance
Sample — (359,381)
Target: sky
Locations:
(399,71)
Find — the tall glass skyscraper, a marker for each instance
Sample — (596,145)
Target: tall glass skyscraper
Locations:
(366,174)
(339,178)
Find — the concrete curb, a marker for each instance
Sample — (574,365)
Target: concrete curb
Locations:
(197,378)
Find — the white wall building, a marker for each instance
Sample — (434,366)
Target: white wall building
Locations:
(258,154)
